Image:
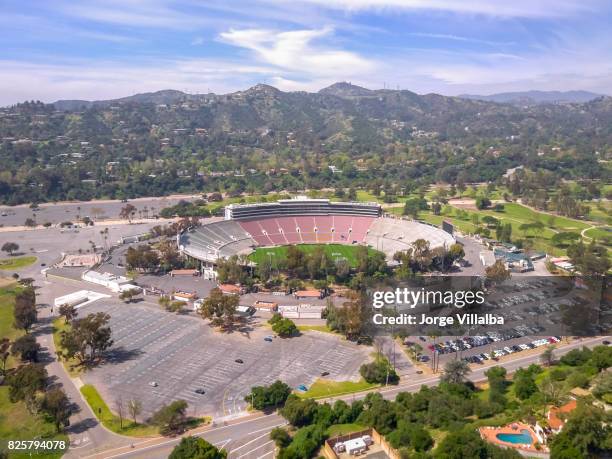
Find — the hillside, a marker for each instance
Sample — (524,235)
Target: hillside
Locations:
(169,141)
(536,97)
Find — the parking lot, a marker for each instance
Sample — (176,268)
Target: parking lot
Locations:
(71,211)
(182,354)
(532,310)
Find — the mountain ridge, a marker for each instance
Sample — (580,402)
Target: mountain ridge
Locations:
(344,90)
(534,97)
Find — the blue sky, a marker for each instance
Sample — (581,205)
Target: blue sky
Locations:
(99,49)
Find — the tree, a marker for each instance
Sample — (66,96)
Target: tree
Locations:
(410,434)
(349,319)
(127,212)
(56,406)
(280,437)
(26,347)
(175,306)
(455,371)
(143,258)
(120,410)
(5,345)
(196,448)
(299,412)
(265,397)
(128,295)
(285,328)
(524,384)
(171,418)
(30,222)
(68,311)
(220,309)
(467,444)
(25,381)
(134,407)
(305,442)
(87,339)
(456,252)
(591,260)
(585,434)
(379,371)
(548,356)
(413,206)
(564,239)
(497,272)
(497,379)
(482,202)
(24,312)
(10,248)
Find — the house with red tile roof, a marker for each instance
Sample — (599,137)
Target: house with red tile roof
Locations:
(557,415)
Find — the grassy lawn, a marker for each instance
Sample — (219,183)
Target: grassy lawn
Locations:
(7,301)
(602,234)
(437,435)
(16,423)
(110,421)
(13,263)
(602,215)
(326,388)
(70,365)
(333,250)
(516,215)
(343,429)
(321,328)
(15,420)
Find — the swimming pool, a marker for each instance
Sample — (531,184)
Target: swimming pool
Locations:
(523,438)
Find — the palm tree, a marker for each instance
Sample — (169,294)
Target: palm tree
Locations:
(455,371)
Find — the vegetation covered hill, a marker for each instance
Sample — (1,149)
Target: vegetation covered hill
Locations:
(263,139)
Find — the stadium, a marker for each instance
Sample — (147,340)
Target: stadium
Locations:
(247,227)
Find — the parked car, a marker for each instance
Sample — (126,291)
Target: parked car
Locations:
(200,391)
(239,361)
(153,384)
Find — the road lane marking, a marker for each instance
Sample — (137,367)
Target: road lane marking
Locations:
(255,449)
(271,427)
(248,443)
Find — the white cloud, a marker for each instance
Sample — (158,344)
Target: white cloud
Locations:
(295,51)
(501,8)
(135,13)
(444,36)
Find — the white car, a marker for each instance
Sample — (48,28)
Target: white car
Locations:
(153,384)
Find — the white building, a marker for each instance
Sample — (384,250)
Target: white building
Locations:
(108,280)
(72,299)
(355,446)
(301,311)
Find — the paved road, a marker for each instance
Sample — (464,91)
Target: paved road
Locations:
(249,439)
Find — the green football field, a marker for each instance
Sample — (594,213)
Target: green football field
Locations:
(335,251)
